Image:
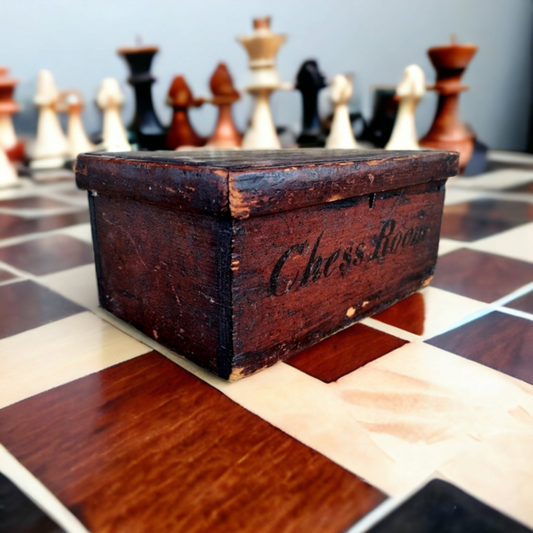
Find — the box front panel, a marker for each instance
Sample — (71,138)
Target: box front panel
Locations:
(302,275)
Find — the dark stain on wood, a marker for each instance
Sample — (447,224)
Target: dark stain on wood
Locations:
(146,446)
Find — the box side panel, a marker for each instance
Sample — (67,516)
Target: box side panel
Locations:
(158,272)
(305,274)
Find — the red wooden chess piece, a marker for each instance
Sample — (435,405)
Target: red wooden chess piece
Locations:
(447,131)
(226,135)
(13,147)
(181,132)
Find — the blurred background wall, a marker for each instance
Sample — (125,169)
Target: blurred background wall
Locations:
(373,39)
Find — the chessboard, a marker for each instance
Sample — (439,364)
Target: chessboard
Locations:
(104,430)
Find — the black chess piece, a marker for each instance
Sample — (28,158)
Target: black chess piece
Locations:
(379,129)
(146,127)
(309,82)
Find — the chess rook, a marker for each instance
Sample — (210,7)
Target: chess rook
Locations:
(13,147)
(409,92)
(309,81)
(262,47)
(146,127)
(110,99)
(51,146)
(181,133)
(447,131)
(226,136)
(341,133)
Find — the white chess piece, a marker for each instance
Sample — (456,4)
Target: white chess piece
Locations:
(262,47)
(8,173)
(110,100)
(341,133)
(71,102)
(51,146)
(410,90)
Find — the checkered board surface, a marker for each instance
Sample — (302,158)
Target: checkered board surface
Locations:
(105,430)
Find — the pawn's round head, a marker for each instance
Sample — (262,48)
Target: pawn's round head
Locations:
(341,89)
(109,94)
(413,83)
(47,93)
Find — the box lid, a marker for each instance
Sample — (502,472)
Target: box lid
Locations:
(240,184)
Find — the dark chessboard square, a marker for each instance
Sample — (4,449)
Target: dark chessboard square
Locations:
(14,226)
(48,254)
(524,303)
(5,275)
(32,202)
(408,314)
(481,276)
(344,352)
(18,514)
(27,305)
(441,507)
(481,218)
(498,340)
(147,446)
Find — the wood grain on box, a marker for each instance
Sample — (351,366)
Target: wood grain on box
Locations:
(240,259)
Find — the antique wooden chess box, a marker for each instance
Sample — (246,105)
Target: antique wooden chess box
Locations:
(239,259)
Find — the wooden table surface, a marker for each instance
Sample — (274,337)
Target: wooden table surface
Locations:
(108,431)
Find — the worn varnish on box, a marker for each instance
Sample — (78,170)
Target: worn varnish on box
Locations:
(238,259)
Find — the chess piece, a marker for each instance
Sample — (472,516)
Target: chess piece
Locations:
(262,47)
(409,91)
(146,127)
(71,102)
(341,133)
(8,173)
(110,99)
(13,147)
(447,131)
(309,82)
(226,136)
(379,130)
(51,146)
(181,132)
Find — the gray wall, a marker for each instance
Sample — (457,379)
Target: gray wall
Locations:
(374,39)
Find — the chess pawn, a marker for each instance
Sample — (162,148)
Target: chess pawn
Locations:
(13,147)
(447,131)
(8,173)
(309,81)
(51,146)
(226,136)
(71,102)
(181,132)
(262,47)
(110,99)
(341,133)
(409,91)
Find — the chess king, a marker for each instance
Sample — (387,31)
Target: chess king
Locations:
(262,47)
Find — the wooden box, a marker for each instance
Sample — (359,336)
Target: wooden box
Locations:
(239,259)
